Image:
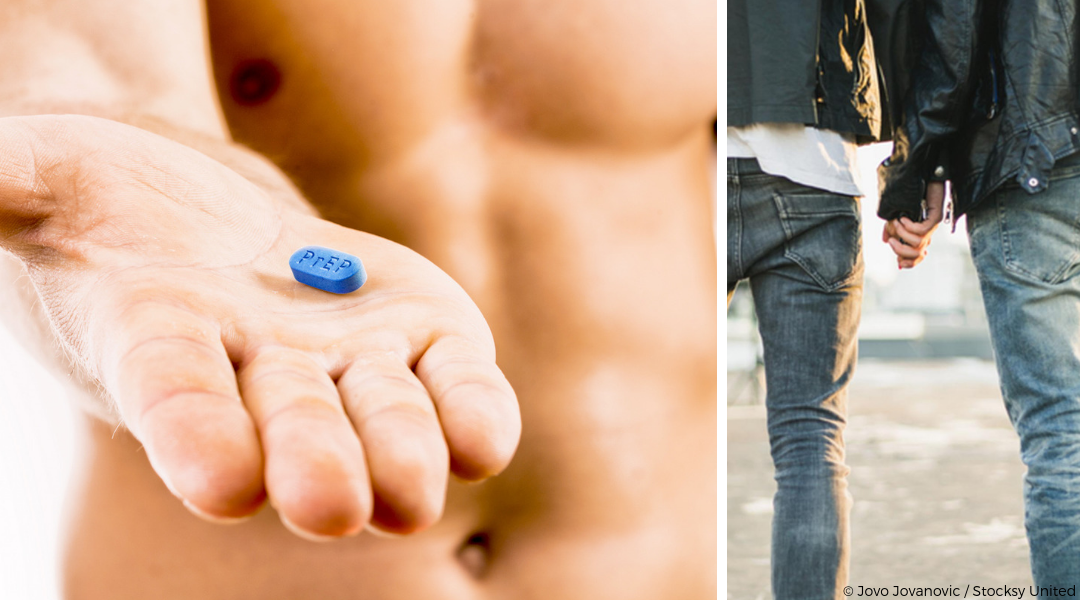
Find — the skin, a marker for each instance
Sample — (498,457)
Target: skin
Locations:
(178,330)
(549,161)
(909,240)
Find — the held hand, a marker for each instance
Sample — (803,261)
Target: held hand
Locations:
(909,240)
(166,275)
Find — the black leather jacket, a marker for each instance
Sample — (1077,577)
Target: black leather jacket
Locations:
(803,61)
(988,92)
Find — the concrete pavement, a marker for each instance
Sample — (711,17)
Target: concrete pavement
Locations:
(936,479)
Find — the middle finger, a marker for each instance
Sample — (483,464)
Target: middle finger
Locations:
(316,476)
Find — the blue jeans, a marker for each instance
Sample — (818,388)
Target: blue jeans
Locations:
(801,250)
(1026,250)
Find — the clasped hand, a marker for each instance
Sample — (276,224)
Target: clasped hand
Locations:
(910,240)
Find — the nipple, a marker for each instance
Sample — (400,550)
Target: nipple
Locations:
(254,82)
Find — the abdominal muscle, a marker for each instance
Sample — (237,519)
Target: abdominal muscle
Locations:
(594,262)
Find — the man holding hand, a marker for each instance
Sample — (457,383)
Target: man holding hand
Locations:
(993,105)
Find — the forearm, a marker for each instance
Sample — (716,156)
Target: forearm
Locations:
(935,104)
(109,58)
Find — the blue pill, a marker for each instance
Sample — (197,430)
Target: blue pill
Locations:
(328,269)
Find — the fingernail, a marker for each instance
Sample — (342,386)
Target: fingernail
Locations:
(373,530)
(212,518)
(307,535)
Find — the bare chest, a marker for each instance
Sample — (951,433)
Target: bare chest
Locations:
(328,80)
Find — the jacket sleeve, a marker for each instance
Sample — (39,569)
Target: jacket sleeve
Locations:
(942,48)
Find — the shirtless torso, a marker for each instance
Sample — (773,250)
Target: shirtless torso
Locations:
(552,157)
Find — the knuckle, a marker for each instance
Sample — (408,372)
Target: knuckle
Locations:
(280,375)
(154,404)
(401,413)
(274,359)
(372,385)
(300,409)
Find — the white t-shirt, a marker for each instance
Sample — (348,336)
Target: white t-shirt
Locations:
(818,158)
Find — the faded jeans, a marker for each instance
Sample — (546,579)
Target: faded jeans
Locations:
(1026,250)
(800,248)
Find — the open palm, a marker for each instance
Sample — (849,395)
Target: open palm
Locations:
(166,274)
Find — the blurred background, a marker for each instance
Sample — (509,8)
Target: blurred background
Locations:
(37,442)
(936,475)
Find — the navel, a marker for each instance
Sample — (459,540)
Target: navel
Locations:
(474,554)
(254,82)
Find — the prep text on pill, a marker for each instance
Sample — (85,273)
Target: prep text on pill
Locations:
(342,263)
(327,269)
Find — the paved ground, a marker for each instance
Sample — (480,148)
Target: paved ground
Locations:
(935,476)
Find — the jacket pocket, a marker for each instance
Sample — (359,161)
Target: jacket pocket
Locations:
(823,235)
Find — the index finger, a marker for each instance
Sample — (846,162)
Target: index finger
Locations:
(176,390)
(921,228)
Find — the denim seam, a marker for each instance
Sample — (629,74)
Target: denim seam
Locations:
(781,208)
(1059,275)
(1068,172)
(1006,246)
(973,245)
(738,227)
(1012,264)
(1010,260)
(751,177)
